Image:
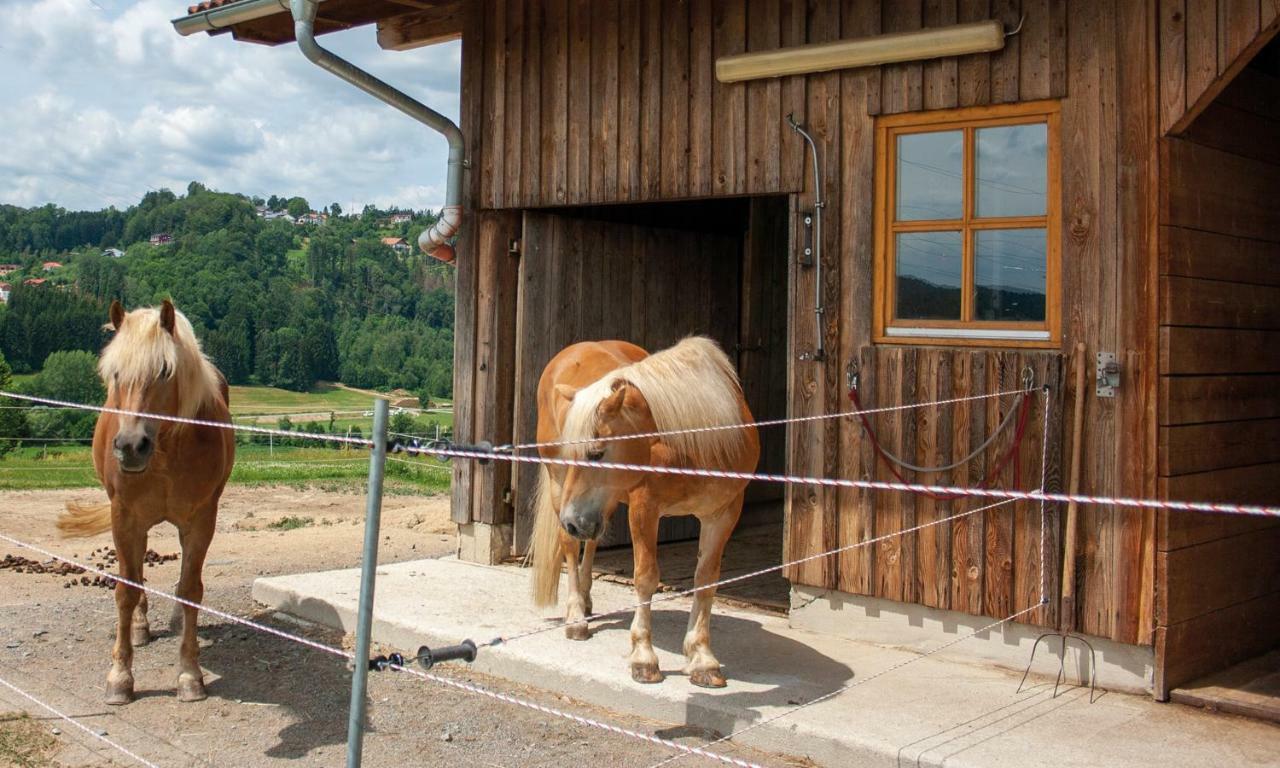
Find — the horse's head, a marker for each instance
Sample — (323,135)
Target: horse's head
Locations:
(597,415)
(152,365)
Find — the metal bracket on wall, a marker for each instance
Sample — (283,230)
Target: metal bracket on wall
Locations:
(513,248)
(806,253)
(1106,375)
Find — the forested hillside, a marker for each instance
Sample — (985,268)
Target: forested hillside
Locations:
(274,302)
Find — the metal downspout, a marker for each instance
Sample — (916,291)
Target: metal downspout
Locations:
(434,240)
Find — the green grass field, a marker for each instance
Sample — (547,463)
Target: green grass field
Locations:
(327,468)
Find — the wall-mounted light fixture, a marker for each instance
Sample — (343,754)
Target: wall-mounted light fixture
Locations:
(932,43)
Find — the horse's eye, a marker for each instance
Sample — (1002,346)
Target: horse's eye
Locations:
(595,455)
(164,371)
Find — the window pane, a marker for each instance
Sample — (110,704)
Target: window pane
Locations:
(930,180)
(930,267)
(1009,273)
(1012,166)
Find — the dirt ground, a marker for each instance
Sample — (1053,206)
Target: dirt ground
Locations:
(271,702)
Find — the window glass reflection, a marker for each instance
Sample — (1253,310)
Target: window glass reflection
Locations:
(1011,164)
(929,275)
(1009,275)
(930,176)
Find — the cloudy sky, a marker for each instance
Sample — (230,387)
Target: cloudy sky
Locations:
(105,101)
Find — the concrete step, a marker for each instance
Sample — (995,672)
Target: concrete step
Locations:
(930,712)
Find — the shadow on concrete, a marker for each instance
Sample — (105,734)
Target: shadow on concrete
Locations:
(793,672)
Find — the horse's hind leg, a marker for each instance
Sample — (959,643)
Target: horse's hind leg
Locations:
(195,544)
(644,546)
(702,667)
(131,544)
(140,633)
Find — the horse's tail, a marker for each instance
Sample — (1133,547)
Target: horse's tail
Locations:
(544,547)
(81,521)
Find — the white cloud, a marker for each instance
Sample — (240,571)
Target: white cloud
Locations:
(113,102)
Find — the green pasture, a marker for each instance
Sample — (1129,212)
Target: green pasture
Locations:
(71,466)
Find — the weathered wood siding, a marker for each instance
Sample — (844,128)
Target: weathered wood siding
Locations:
(1204,44)
(1220,380)
(570,103)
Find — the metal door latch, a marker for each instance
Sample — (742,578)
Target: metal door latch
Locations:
(1107,375)
(806,253)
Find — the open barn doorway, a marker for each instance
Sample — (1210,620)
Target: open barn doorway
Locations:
(653,274)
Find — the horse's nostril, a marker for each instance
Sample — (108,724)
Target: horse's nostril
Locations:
(144,444)
(571,529)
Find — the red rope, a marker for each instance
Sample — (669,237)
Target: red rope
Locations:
(1019,433)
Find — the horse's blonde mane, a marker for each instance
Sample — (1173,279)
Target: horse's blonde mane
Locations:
(686,386)
(141,349)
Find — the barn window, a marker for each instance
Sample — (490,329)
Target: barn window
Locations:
(967,222)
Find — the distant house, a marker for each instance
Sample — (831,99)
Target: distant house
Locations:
(34,281)
(4,293)
(161,238)
(273,215)
(401,218)
(49,266)
(312,218)
(397,244)
(6,269)
(114,253)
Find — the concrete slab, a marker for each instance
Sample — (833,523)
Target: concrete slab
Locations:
(928,713)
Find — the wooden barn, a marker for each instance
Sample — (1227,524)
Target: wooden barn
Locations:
(986,198)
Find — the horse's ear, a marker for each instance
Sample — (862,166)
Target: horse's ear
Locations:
(166,316)
(116,314)
(565,391)
(612,404)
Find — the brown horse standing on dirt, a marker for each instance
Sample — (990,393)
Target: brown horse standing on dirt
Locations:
(610,389)
(156,471)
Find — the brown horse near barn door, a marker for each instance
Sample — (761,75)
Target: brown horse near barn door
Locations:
(156,471)
(592,395)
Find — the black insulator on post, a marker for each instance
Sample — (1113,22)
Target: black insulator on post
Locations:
(429,657)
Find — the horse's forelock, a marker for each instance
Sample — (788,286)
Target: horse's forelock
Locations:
(142,351)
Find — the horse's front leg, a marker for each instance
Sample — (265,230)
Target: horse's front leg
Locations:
(195,538)
(140,633)
(575,627)
(131,545)
(702,667)
(643,521)
(584,575)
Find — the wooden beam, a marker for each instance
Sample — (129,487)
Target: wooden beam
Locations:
(434,24)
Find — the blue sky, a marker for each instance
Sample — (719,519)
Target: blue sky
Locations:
(105,101)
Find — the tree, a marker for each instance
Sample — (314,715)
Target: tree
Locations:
(297,206)
(335,210)
(13,419)
(71,375)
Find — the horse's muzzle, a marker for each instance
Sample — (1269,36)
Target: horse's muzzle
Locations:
(133,455)
(583,527)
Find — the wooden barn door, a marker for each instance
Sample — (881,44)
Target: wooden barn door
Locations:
(586,279)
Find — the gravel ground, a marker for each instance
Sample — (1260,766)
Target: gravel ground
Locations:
(271,702)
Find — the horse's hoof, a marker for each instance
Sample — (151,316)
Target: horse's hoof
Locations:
(120,692)
(191,689)
(646,673)
(708,678)
(140,636)
(579,630)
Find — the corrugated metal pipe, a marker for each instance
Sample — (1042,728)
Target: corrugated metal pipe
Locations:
(435,239)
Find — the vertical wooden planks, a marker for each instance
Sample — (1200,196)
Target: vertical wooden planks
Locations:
(764,100)
(1202,46)
(889,567)
(1057,49)
(997,597)
(628,129)
(729,106)
(968,421)
(531,106)
(578,150)
(1034,50)
(604,100)
(651,150)
(513,102)
(792,147)
(493,177)
(1237,27)
(1004,63)
(940,86)
(902,85)
(675,99)
(555,102)
(701,78)
(974,71)
(1173,62)
(933,442)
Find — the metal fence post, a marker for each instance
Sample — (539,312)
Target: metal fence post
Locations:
(368,571)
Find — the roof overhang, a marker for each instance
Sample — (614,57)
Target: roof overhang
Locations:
(402,24)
